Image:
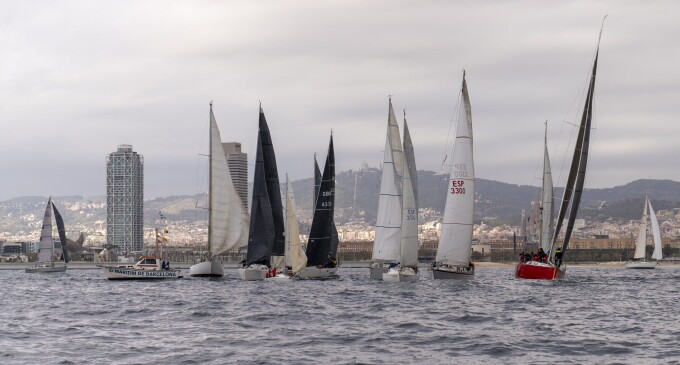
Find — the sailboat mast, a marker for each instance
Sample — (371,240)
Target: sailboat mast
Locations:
(210,179)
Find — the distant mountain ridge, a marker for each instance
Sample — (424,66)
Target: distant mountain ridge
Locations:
(496,202)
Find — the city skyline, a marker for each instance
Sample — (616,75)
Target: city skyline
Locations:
(79,79)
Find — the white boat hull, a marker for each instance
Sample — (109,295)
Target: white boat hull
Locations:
(377,271)
(641,264)
(253,273)
(207,269)
(400,276)
(312,272)
(446,272)
(59,268)
(125,273)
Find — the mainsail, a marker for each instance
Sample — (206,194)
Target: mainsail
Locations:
(62,233)
(410,161)
(409,222)
(266,237)
(577,172)
(456,237)
(641,243)
(319,245)
(228,218)
(388,221)
(547,211)
(656,234)
(45,251)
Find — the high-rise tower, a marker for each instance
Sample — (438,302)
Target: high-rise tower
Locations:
(125,199)
(238,168)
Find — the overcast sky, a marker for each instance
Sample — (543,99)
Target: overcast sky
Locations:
(78,78)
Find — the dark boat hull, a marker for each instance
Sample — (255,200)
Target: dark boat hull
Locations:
(538,271)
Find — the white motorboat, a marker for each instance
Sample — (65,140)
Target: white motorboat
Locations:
(148,267)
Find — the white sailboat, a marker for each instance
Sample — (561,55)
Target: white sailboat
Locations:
(455,242)
(228,219)
(639,260)
(295,258)
(386,245)
(46,254)
(407,268)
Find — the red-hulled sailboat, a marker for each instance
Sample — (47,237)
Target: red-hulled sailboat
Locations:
(551,268)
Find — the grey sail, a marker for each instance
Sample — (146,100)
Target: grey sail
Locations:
(577,173)
(317,182)
(320,234)
(62,232)
(410,157)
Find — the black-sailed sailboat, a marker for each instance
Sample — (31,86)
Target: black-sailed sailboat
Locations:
(46,252)
(266,240)
(552,267)
(321,250)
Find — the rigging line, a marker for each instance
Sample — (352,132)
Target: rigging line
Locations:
(454,114)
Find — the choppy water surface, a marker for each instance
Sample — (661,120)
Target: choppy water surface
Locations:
(596,315)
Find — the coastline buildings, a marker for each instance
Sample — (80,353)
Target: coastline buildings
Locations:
(125,199)
(238,167)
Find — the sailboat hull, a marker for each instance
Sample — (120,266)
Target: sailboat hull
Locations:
(207,269)
(312,272)
(641,264)
(447,272)
(253,273)
(407,275)
(377,270)
(47,269)
(539,271)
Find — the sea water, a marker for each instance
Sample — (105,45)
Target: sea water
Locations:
(600,315)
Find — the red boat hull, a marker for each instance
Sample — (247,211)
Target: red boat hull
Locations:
(538,270)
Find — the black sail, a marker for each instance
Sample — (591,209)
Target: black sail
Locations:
(574,186)
(62,232)
(273,187)
(320,234)
(262,232)
(586,120)
(317,186)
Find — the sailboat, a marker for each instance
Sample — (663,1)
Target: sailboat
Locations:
(335,241)
(386,245)
(639,261)
(266,237)
(46,251)
(553,268)
(455,242)
(295,258)
(227,217)
(407,268)
(321,252)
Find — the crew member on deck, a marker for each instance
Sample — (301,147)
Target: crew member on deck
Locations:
(558,257)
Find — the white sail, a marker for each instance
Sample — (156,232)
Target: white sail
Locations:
(229,220)
(656,234)
(547,215)
(409,223)
(386,246)
(46,244)
(456,237)
(641,243)
(295,255)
